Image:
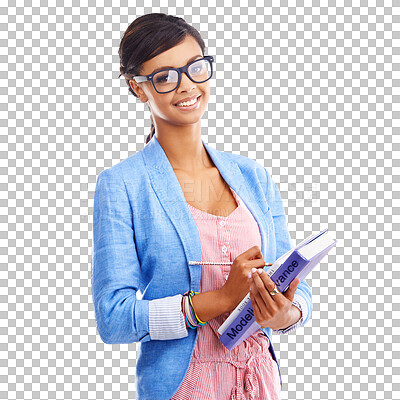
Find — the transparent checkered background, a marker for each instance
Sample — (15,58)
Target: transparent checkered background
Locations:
(309,91)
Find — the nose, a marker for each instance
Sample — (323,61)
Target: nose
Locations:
(186,84)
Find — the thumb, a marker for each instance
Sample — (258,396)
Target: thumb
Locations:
(289,294)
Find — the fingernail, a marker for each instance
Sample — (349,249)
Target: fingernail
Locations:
(249,275)
(253,270)
(260,271)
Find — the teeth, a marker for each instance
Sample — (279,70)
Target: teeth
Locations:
(188,103)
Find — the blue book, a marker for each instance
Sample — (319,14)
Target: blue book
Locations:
(297,262)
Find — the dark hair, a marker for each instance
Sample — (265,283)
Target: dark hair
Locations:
(148,36)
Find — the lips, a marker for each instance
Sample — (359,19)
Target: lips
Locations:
(187,99)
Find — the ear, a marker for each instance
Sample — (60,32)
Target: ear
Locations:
(138,90)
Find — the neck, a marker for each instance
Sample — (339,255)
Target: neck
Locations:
(184,148)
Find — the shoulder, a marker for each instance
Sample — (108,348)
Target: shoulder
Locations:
(122,170)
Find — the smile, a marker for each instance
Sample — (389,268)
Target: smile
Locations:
(187,106)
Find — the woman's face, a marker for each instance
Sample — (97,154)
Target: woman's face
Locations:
(163,105)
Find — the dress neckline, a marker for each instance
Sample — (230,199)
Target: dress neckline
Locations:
(238,201)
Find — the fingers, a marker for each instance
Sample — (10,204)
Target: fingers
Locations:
(260,301)
(264,285)
(256,263)
(259,313)
(253,253)
(262,279)
(255,303)
(289,294)
(266,307)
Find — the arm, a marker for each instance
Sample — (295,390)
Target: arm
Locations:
(121,317)
(302,299)
(209,305)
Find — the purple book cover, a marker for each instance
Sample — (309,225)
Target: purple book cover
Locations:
(241,328)
(244,325)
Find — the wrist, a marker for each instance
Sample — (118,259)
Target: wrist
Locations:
(224,300)
(295,315)
(208,305)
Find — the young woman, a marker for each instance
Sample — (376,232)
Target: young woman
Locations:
(180,200)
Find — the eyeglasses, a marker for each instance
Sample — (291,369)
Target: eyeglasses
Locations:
(167,80)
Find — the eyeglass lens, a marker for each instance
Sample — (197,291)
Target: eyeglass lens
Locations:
(166,81)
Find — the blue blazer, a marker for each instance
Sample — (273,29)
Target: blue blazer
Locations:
(143,237)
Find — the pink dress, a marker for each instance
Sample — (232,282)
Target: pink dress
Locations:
(215,373)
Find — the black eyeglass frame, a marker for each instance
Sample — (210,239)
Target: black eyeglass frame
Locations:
(181,70)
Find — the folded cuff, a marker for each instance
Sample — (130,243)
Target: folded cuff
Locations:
(166,320)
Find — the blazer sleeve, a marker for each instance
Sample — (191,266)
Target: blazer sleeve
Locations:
(121,316)
(302,298)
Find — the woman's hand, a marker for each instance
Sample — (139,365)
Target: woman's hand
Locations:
(237,285)
(273,311)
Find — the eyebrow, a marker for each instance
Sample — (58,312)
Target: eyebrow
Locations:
(169,66)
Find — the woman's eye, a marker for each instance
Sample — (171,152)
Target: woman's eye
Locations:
(197,68)
(162,78)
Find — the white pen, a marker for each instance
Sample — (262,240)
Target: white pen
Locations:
(217,263)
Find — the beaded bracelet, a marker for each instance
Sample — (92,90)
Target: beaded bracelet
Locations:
(192,320)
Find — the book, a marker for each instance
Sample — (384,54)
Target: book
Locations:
(297,262)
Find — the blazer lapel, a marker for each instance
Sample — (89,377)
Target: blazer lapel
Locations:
(232,175)
(173,201)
